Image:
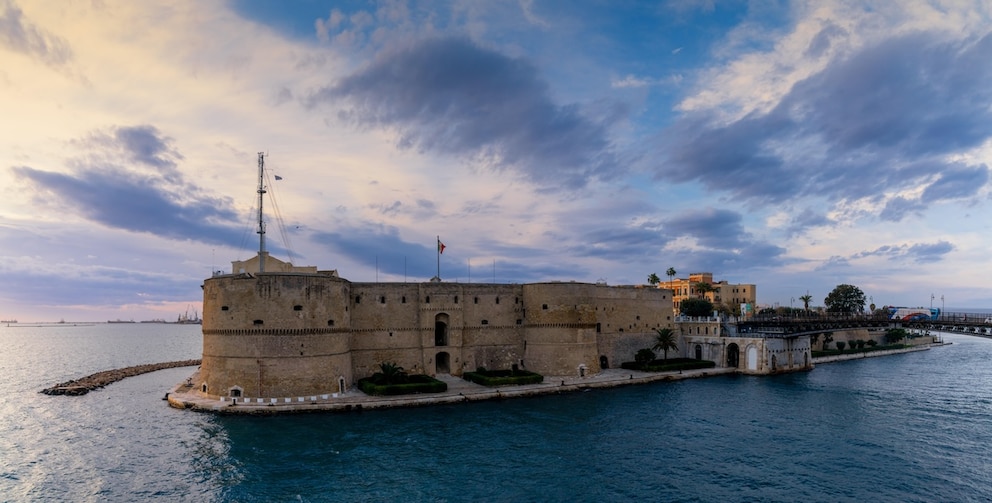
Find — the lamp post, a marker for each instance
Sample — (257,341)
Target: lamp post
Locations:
(931,301)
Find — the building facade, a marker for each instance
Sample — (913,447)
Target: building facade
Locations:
(718,292)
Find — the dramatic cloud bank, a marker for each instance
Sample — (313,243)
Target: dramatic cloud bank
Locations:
(794,146)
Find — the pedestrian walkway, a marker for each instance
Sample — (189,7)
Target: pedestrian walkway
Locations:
(184,396)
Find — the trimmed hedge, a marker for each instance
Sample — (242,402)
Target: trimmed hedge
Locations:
(502,377)
(669,365)
(414,384)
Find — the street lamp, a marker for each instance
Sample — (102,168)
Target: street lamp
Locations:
(931,301)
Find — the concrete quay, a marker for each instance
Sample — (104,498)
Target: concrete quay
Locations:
(872,354)
(185,396)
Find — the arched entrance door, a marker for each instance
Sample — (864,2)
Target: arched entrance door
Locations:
(733,356)
(699,352)
(752,358)
(441,330)
(443,362)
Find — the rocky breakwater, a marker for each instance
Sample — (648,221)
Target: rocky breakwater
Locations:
(91,382)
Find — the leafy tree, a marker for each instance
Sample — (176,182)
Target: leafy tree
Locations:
(664,341)
(806,299)
(728,310)
(894,335)
(696,307)
(644,356)
(671,274)
(871,343)
(653,279)
(845,299)
(840,345)
(861,344)
(828,337)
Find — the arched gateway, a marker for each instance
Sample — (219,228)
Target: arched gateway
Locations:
(733,355)
(443,362)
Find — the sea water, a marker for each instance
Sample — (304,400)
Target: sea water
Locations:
(911,427)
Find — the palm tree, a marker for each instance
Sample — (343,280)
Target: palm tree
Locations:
(664,341)
(702,288)
(671,275)
(653,279)
(391,372)
(806,298)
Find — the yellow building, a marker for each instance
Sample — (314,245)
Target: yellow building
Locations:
(722,292)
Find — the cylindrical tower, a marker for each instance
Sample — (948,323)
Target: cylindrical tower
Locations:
(273,335)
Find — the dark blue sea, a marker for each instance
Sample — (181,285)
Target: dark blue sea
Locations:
(906,428)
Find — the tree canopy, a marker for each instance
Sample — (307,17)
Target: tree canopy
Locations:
(653,279)
(845,299)
(696,307)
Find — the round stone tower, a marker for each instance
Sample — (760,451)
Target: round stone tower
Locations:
(275,335)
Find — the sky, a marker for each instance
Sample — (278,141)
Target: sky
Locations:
(793,145)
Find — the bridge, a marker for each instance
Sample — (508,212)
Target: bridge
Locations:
(815,323)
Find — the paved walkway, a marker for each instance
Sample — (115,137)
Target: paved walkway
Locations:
(184,396)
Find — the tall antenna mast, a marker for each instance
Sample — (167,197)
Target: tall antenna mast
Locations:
(261,222)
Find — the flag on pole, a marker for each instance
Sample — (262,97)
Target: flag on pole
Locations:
(440,246)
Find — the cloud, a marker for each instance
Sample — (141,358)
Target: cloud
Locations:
(805,220)
(883,120)
(951,181)
(103,190)
(452,97)
(378,245)
(145,145)
(121,199)
(700,239)
(17,34)
(920,252)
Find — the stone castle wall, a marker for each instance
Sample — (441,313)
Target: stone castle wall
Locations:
(276,334)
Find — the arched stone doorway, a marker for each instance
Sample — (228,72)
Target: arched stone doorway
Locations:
(699,352)
(733,355)
(604,362)
(441,330)
(443,362)
(752,358)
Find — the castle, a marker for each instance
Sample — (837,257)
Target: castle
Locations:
(297,331)
(274,329)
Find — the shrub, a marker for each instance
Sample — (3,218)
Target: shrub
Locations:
(644,356)
(871,343)
(861,344)
(840,345)
(502,377)
(412,384)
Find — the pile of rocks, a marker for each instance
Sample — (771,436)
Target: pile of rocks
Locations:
(84,385)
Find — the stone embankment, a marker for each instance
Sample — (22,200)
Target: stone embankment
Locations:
(89,383)
(870,354)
